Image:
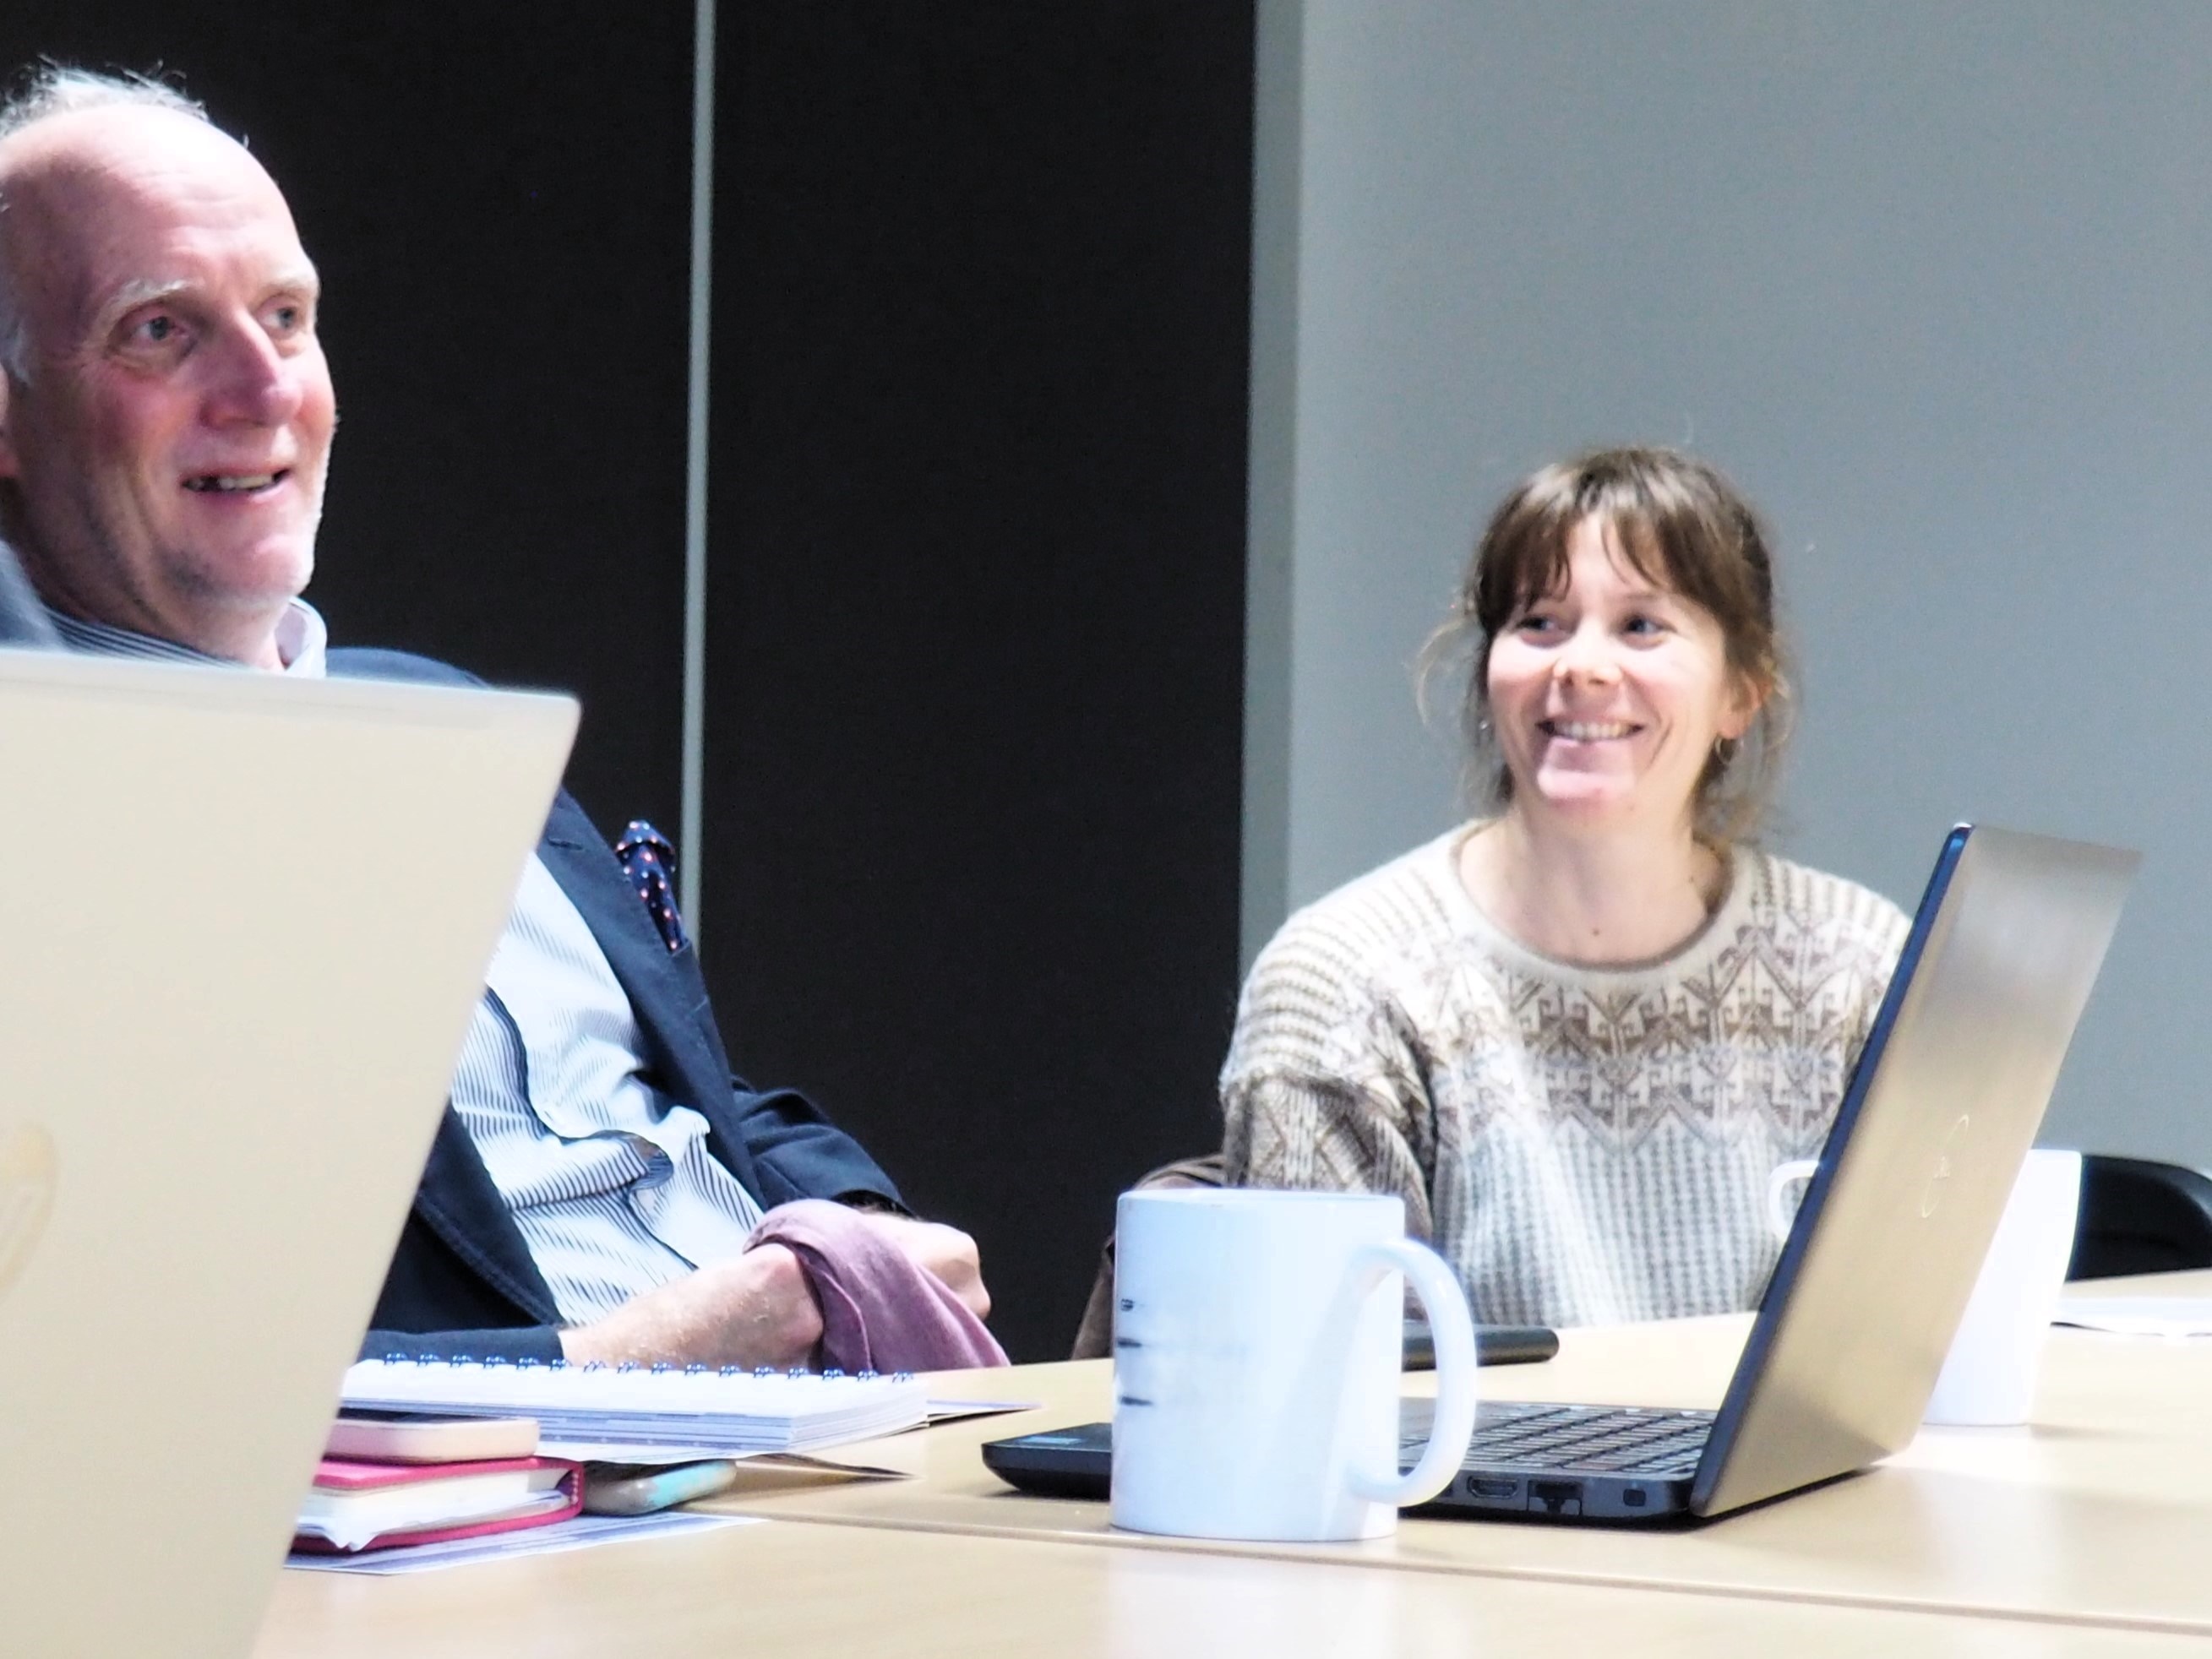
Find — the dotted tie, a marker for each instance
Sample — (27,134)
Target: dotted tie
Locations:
(649,858)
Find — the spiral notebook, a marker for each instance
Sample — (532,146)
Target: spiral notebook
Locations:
(726,1412)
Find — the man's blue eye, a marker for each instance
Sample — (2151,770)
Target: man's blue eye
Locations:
(158,329)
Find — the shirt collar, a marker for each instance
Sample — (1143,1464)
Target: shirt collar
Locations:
(302,642)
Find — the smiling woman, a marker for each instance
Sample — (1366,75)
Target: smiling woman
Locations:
(1576,1034)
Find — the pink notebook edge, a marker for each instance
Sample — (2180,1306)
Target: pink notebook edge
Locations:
(368,1475)
(385,1437)
(572,1483)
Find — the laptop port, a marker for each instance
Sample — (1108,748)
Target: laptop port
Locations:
(1478,1488)
(1633,1496)
(1556,1496)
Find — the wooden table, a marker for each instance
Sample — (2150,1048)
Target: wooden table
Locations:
(2086,1534)
(2099,1514)
(822,1592)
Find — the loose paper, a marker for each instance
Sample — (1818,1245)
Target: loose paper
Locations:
(581,1533)
(2139,1315)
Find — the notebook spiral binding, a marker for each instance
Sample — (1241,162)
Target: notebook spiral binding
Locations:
(659,1367)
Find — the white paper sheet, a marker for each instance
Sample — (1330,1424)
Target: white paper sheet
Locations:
(581,1533)
(623,1451)
(2138,1316)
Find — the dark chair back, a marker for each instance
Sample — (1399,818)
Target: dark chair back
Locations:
(2140,1217)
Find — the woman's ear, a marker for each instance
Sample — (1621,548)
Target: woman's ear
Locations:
(1747,694)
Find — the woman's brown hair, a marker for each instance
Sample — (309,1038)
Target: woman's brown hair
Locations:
(1678,524)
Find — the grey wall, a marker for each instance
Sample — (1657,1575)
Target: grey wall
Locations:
(1933,281)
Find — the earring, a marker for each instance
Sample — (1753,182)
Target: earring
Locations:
(1724,750)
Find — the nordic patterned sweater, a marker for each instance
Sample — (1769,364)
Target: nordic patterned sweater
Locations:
(1584,1145)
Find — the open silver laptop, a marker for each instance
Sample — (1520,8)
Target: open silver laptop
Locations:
(1943,1105)
(243,923)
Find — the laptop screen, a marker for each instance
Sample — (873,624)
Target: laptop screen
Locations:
(1943,1105)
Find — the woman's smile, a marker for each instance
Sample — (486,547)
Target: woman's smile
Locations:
(1588,731)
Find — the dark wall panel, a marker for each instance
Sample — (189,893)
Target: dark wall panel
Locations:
(500,215)
(978,503)
(976,596)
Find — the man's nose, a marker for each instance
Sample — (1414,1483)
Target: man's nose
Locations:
(254,383)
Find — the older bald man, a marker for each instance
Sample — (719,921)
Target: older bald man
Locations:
(165,431)
(168,413)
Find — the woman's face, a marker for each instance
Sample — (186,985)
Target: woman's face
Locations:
(1607,699)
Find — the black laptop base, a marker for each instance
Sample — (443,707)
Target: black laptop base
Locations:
(1528,1461)
(1629,1464)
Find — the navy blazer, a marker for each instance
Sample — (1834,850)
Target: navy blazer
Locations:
(462,1280)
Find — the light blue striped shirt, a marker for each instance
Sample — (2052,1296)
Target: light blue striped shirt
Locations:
(611,1182)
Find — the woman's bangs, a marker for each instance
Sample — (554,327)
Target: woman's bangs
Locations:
(1637,541)
(1529,565)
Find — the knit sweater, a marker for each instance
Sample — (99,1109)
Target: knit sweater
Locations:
(1584,1145)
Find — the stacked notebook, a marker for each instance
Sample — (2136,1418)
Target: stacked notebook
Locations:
(595,1411)
(400,1481)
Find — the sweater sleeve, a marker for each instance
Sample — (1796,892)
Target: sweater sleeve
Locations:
(1322,1089)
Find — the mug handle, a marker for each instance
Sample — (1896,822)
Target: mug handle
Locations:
(1797,1168)
(1453,1426)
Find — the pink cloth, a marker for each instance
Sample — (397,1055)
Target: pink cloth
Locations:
(880,1312)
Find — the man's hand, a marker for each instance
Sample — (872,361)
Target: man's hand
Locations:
(756,1310)
(945,1252)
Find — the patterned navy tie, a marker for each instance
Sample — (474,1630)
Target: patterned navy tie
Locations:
(649,858)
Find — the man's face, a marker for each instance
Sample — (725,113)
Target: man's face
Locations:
(167,450)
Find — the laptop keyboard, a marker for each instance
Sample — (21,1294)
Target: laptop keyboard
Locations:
(1629,1440)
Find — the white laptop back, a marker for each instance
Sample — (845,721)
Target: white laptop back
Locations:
(243,923)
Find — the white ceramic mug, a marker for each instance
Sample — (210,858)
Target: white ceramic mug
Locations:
(1989,1375)
(1256,1345)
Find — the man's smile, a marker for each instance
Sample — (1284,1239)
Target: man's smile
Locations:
(236,484)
